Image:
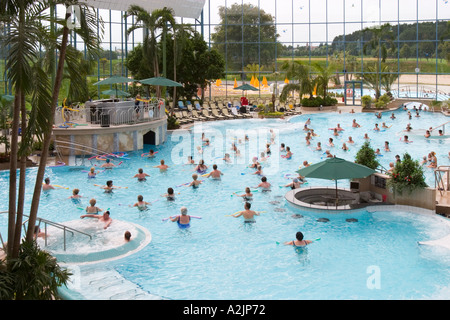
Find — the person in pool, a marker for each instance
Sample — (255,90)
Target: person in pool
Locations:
(105,218)
(108,164)
(195,183)
(299,242)
(75,197)
(248,195)
(92,174)
(141,204)
(249,215)
(170,195)
(47,186)
(92,209)
(182,220)
(201,167)
(215,174)
(264,184)
(295,184)
(141,176)
(162,167)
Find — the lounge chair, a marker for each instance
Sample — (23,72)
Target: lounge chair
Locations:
(180,117)
(197,116)
(197,106)
(227,114)
(205,113)
(181,105)
(187,116)
(216,114)
(235,112)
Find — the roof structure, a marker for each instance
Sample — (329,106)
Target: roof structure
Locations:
(182,8)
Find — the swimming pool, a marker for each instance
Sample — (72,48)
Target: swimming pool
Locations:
(219,257)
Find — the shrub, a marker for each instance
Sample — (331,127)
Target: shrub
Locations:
(366,101)
(407,175)
(366,156)
(318,101)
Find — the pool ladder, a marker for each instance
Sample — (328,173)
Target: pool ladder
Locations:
(442,179)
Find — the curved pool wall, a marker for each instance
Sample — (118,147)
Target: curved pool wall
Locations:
(175,260)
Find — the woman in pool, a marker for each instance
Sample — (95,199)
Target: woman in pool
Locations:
(344,147)
(295,184)
(141,204)
(162,167)
(433,160)
(195,183)
(75,197)
(201,167)
(182,220)
(92,209)
(258,171)
(298,242)
(92,174)
(386,146)
(288,154)
(319,146)
(350,140)
(141,176)
(248,195)
(170,195)
(376,127)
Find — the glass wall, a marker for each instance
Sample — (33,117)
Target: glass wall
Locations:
(258,37)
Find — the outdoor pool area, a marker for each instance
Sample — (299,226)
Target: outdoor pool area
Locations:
(371,253)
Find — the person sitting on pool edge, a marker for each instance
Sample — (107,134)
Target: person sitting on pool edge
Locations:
(249,215)
(298,242)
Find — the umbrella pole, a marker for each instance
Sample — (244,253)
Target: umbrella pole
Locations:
(335,181)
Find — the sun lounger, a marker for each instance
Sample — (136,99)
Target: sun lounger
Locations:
(197,116)
(206,114)
(180,117)
(216,114)
(181,105)
(227,114)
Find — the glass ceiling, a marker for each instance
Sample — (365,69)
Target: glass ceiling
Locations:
(182,8)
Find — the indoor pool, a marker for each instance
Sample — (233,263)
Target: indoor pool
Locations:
(360,255)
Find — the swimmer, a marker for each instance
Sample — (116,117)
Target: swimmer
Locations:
(262,157)
(249,215)
(255,163)
(127,236)
(352,111)
(298,242)
(350,140)
(366,136)
(170,195)
(433,160)
(92,209)
(313,134)
(264,184)
(258,171)
(248,195)
(308,138)
(441,133)
(378,115)
(108,164)
(330,142)
(105,218)
(376,127)
(92,173)
(319,146)
(141,176)
(47,186)
(386,146)
(215,174)
(392,116)
(424,160)
(195,183)
(406,139)
(184,219)
(397,158)
(338,127)
(75,196)
(288,153)
(151,154)
(378,152)
(295,184)
(38,233)
(391,167)
(335,132)
(344,147)
(190,160)
(109,186)
(328,153)
(268,149)
(201,167)
(355,124)
(141,204)
(384,126)
(162,167)
(227,158)
(306,164)
(308,121)
(282,148)
(408,127)
(427,134)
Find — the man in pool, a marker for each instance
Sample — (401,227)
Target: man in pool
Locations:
(141,176)
(264,184)
(47,186)
(108,164)
(215,174)
(249,215)
(105,218)
(162,167)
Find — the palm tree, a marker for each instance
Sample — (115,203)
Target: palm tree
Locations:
(28,74)
(298,71)
(382,36)
(323,77)
(151,23)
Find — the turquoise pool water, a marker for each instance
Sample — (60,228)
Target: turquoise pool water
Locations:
(220,257)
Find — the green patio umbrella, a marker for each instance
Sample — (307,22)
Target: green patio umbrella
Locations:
(114,80)
(246,87)
(160,81)
(336,169)
(117,93)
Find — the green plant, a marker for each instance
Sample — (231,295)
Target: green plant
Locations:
(366,101)
(34,275)
(407,175)
(318,101)
(366,156)
(172,123)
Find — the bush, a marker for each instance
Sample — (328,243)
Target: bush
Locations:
(319,101)
(366,156)
(172,123)
(34,275)
(407,175)
(366,101)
